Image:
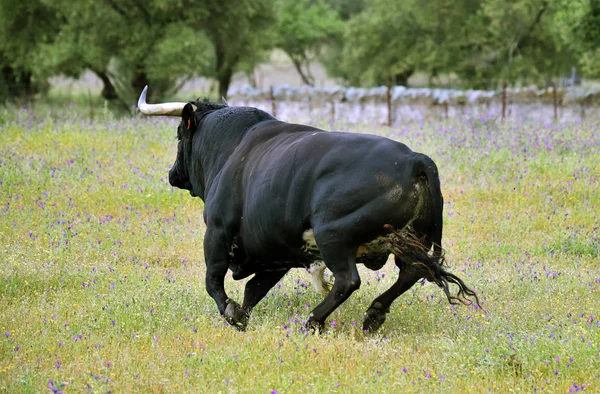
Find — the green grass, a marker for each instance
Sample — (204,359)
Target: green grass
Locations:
(102,271)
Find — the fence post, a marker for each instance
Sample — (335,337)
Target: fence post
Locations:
(555,100)
(332,110)
(389,102)
(273,105)
(503,99)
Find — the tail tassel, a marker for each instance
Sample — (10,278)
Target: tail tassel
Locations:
(411,250)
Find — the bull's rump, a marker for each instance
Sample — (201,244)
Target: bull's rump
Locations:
(343,186)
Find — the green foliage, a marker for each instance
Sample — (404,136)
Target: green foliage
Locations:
(332,57)
(130,43)
(182,52)
(390,40)
(481,42)
(579,24)
(240,32)
(304,27)
(79,44)
(383,41)
(519,42)
(346,9)
(23,25)
(145,44)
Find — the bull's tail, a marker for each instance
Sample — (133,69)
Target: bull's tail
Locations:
(411,252)
(409,249)
(427,169)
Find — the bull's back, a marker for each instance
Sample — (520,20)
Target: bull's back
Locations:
(355,183)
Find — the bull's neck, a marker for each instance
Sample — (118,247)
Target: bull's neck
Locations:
(211,157)
(218,136)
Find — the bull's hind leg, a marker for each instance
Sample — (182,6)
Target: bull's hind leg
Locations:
(415,263)
(380,307)
(340,261)
(255,290)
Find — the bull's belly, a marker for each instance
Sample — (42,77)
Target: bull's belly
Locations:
(373,255)
(297,258)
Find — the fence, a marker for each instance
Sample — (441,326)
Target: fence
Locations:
(388,105)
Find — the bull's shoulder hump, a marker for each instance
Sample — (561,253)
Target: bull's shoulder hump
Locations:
(246,114)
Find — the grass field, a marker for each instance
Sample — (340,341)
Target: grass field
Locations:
(102,270)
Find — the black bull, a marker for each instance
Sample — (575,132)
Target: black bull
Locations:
(280,195)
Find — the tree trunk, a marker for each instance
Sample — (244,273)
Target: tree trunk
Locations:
(140,81)
(224,69)
(298,64)
(251,79)
(9,80)
(109,92)
(17,85)
(224,81)
(402,78)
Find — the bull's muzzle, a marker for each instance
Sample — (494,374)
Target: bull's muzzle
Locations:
(179,183)
(174,179)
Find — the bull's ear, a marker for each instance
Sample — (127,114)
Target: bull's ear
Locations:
(187,116)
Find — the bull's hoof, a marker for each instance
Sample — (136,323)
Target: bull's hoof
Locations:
(236,316)
(374,318)
(314,327)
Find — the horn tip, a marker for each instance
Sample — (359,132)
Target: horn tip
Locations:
(142,99)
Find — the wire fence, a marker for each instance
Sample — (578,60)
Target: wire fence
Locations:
(393,105)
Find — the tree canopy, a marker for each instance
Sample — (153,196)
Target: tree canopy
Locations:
(130,43)
(479,41)
(24,26)
(304,28)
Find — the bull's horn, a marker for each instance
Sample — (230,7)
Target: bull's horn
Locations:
(165,109)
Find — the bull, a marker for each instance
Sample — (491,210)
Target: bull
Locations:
(279,196)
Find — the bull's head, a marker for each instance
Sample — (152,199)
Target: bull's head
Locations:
(179,173)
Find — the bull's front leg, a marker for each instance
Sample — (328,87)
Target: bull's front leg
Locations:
(216,253)
(259,286)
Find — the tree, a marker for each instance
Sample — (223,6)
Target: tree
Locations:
(519,42)
(332,55)
(81,45)
(445,32)
(390,40)
(240,33)
(147,44)
(129,43)
(304,28)
(480,41)
(588,31)
(346,9)
(23,26)
(579,24)
(383,42)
